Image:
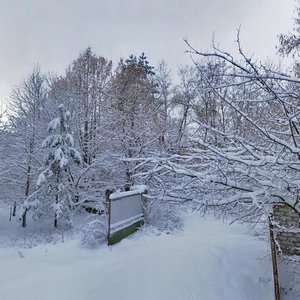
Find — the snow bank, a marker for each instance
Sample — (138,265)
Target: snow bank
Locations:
(208,260)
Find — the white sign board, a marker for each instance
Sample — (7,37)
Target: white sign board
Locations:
(126,208)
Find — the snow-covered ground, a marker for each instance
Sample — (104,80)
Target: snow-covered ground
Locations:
(289,277)
(208,260)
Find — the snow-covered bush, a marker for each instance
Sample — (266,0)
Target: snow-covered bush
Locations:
(164,215)
(94,233)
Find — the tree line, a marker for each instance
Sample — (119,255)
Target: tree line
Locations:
(226,136)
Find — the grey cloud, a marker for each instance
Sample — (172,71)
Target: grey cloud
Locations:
(53,32)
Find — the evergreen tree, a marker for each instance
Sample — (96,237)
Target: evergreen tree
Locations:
(134,120)
(54,193)
(142,62)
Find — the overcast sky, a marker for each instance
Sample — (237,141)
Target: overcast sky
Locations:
(53,32)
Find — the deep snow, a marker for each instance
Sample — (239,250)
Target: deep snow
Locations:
(208,260)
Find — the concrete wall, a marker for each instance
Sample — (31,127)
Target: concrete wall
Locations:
(287,231)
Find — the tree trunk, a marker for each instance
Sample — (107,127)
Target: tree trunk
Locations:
(24,223)
(14,209)
(55,221)
(27,184)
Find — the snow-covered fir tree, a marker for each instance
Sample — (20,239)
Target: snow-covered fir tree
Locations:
(54,185)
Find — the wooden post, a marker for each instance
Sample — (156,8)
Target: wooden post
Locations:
(108,203)
(274,260)
(145,206)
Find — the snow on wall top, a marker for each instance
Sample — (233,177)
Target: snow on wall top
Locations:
(135,190)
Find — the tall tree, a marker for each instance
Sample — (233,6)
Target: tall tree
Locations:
(133,113)
(163,96)
(54,185)
(83,90)
(28,113)
(290,42)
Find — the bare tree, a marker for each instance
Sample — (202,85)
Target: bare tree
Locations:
(261,167)
(256,161)
(83,90)
(27,115)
